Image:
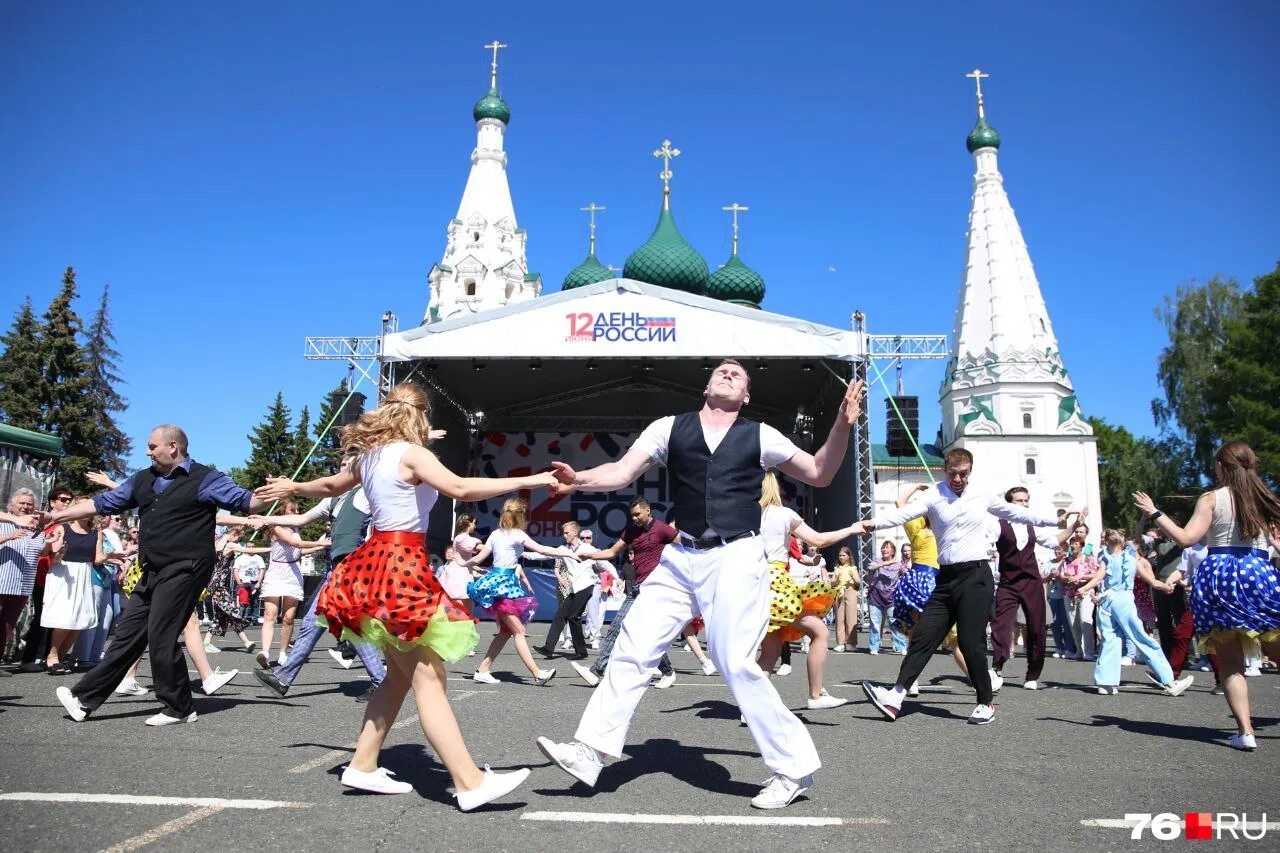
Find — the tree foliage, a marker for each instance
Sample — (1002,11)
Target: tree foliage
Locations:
(20,371)
(1127,463)
(64,386)
(111,445)
(273,447)
(329,451)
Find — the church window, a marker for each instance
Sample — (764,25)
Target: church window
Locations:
(1026,420)
(475,235)
(1031,466)
(471,287)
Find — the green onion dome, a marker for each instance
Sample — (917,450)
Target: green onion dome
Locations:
(737,283)
(589,271)
(492,106)
(983,135)
(668,260)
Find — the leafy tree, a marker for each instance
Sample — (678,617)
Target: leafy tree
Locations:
(111,445)
(1127,464)
(273,447)
(1196,318)
(20,371)
(64,386)
(1244,399)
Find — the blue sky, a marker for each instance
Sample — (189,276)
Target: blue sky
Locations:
(247,174)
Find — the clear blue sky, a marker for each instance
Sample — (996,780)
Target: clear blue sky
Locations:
(247,174)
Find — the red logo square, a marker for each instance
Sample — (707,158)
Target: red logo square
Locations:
(1197,826)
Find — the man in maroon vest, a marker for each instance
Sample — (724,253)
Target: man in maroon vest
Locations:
(1021,585)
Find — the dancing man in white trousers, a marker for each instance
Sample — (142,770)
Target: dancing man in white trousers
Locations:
(716,568)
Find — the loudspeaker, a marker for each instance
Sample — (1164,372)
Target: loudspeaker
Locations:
(897,435)
(351,411)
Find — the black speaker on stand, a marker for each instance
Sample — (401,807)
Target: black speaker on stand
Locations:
(899,435)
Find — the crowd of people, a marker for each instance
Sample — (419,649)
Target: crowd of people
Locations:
(973,571)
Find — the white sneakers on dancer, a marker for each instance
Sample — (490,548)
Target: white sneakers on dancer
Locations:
(665,681)
(1031,685)
(914,690)
(163,719)
(709,668)
(997,680)
(216,679)
(888,701)
(131,687)
(785,669)
(580,761)
(75,710)
(495,785)
(825,700)
(544,675)
(375,782)
(780,791)
(586,674)
(982,715)
(1173,688)
(1108,691)
(1244,741)
(484,678)
(341,660)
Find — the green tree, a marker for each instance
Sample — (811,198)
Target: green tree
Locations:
(273,448)
(1196,319)
(1127,464)
(329,451)
(20,371)
(64,386)
(111,445)
(1244,400)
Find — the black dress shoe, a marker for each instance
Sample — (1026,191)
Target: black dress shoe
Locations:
(32,666)
(368,694)
(269,680)
(582,656)
(545,652)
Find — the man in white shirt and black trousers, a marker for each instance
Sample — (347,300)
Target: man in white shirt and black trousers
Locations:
(716,568)
(959,519)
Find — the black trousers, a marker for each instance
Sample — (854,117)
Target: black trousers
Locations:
(571,610)
(37,638)
(153,618)
(962,598)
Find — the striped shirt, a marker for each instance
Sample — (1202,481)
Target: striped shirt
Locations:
(18,561)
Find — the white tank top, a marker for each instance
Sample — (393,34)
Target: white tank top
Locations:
(1222,529)
(282,552)
(775,528)
(395,504)
(507,545)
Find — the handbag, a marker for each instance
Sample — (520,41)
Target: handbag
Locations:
(131,578)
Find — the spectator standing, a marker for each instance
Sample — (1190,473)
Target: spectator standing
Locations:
(882,579)
(20,549)
(847,582)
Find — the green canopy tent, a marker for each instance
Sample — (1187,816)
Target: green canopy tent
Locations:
(28,459)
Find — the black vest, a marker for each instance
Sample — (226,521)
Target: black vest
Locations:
(349,524)
(718,490)
(1167,559)
(173,525)
(1015,562)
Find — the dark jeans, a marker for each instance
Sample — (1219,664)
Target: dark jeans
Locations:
(153,618)
(615,628)
(37,638)
(1027,593)
(962,598)
(1175,625)
(571,610)
(1063,642)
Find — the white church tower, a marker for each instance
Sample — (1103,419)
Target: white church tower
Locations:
(1006,395)
(484,263)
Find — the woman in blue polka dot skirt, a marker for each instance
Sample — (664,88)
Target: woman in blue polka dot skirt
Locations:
(1235,591)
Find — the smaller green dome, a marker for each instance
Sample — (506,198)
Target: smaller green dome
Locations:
(667,260)
(589,271)
(738,283)
(492,106)
(983,135)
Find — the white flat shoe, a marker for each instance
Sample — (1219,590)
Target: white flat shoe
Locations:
(216,680)
(584,673)
(340,659)
(377,782)
(495,785)
(163,719)
(484,678)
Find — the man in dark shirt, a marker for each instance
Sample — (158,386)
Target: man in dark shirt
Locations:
(179,500)
(645,536)
(1174,621)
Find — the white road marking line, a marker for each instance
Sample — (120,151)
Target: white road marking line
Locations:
(701,820)
(139,800)
(151,836)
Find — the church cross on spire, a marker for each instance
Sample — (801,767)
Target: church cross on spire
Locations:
(735,208)
(493,68)
(666,154)
(591,209)
(977,76)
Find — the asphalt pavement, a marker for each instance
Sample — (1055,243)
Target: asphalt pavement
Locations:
(1057,769)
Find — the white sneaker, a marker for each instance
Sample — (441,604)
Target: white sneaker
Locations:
(341,659)
(1252,671)
(882,699)
(804,645)
(1031,685)
(584,673)
(780,791)
(75,710)
(249,647)
(1177,688)
(1126,661)
(131,687)
(825,700)
(838,649)
(1057,654)
(982,715)
(914,689)
(217,679)
(709,668)
(575,758)
(544,675)
(377,782)
(874,652)
(1246,742)
(997,680)
(1104,690)
(284,656)
(785,669)
(495,785)
(595,645)
(665,681)
(163,719)
(484,677)
(211,649)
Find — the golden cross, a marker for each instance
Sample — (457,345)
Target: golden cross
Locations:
(493,69)
(666,154)
(735,208)
(978,77)
(591,209)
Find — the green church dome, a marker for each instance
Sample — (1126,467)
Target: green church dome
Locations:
(738,283)
(667,260)
(983,135)
(492,106)
(589,271)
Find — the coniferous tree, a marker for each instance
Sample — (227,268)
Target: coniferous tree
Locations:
(20,371)
(273,449)
(111,444)
(329,452)
(64,386)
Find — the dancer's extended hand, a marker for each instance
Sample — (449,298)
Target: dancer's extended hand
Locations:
(851,405)
(563,478)
(277,488)
(1144,503)
(257,522)
(100,478)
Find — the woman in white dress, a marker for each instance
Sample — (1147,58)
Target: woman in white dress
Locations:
(280,589)
(69,603)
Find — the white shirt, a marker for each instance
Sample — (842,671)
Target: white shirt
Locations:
(775,448)
(960,523)
(776,524)
(248,567)
(507,546)
(395,504)
(582,573)
(328,507)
